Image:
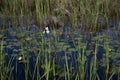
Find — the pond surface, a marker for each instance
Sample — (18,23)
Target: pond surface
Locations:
(24,46)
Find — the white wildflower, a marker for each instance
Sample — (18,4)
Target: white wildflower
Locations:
(19,58)
(46,30)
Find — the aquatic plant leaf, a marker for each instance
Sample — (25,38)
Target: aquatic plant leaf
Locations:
(28,38)
(20,35)
(23,61)
(88,52)
(71,49)
(13,33)
(65,47)
(1,36)
(60,72)
(66,57)
(60,43)
(8,46)
(15,50)
(79,39)
(100,37)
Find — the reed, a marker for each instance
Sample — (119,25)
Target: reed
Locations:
(6,70)
(93,16)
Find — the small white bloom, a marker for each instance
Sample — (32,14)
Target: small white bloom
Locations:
(46,30)
(19,58)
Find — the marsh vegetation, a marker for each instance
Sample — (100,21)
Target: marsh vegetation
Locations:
(59,39)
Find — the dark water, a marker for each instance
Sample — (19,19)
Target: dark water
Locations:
(66,38)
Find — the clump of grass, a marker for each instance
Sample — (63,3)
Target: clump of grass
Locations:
(75,12)
(6,70)
(83,12)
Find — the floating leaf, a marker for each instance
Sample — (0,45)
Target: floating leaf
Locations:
(13,33)
(65,47)
(23,61)
(71,49)
(1,36)
(79,39)
(28,38)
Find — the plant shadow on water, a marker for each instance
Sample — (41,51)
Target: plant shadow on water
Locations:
(28,50)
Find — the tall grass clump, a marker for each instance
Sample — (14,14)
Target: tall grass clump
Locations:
(6,69)
(92,17)
(85,13)
(2,60)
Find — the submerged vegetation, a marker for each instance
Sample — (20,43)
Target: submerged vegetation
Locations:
(59,40)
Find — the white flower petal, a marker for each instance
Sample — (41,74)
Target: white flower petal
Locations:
(44,32)
(19,58)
